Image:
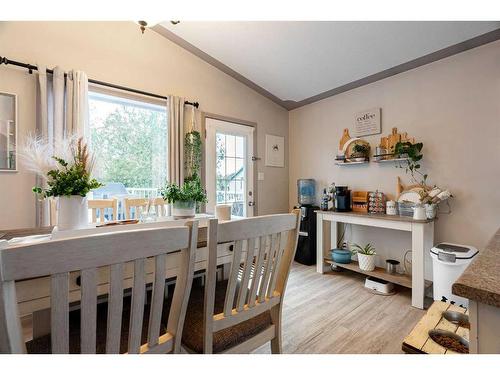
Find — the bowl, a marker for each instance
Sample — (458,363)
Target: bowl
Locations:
(341,256)
(449,340)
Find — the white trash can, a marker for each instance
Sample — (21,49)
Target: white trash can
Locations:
(448,263)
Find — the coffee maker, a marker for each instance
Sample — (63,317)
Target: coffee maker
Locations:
(306,246)
(342,199)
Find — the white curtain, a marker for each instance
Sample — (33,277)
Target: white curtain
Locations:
(176,139)
(62,111)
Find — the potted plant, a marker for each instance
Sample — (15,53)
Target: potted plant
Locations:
(360,151)
(412,154)
(67,170)
(430,197)
(366,256)
(184,198)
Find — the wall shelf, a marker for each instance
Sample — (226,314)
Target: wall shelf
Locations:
(346,163)
(394,160)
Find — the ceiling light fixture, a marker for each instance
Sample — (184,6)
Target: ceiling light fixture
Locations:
(142,25)
(174,22)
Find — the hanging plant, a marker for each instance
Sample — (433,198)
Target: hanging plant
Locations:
(192,152)
(192,155)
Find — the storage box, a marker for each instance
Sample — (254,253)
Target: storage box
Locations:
(360,201)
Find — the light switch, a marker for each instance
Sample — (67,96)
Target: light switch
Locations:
(260,176)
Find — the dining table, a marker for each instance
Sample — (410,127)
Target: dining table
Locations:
(33,295)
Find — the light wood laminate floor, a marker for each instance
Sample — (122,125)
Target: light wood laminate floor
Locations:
(334,313)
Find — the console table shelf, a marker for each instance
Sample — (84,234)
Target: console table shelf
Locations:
(379,273)
(422,239)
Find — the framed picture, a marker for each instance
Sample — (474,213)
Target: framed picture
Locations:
(275,151)
(367,122)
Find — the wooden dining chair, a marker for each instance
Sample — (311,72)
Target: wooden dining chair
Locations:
(134,203)
(160,207)
(95,256)
(244,312)
(101,206)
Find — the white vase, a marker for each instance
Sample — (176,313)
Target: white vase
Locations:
(181,209)
(72,213)
(419,213)
(366,262)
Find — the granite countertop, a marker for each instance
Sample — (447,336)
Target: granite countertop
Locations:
(481,279)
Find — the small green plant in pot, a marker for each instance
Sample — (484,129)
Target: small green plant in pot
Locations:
(360,151)
(366,256)
(184,198)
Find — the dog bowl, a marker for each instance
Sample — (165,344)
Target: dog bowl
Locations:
(457,317)
(450,340)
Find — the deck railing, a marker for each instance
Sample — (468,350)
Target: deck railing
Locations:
(143,192)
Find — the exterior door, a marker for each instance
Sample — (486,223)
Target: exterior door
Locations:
(229,166)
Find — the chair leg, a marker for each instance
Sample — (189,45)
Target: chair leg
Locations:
(276,345)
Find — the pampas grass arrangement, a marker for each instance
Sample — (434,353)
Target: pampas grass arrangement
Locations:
(66,166)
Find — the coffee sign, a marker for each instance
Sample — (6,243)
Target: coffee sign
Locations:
(367,123)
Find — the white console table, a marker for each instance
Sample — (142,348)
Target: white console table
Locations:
(422,240)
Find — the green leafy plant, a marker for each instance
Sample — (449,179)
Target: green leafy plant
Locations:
(191,191)
(412,152)
(192,155)
(71,177)
(360,150)
(368,249)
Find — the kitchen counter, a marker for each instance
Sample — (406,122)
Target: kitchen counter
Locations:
(481,280)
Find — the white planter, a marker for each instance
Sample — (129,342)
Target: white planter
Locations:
(72,213)
(366,262)
(430,210)
(183,209)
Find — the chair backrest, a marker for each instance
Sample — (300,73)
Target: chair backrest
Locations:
(263,251)
(86,254)
(134,203)
(160,207)
(103,206)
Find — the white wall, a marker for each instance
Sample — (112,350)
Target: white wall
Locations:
(453,107)
(117,52)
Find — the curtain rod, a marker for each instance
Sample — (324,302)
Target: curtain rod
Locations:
(6,61)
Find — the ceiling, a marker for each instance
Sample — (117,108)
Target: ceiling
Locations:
(294,62)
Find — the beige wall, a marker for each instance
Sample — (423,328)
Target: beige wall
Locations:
(117,52)
(453,107)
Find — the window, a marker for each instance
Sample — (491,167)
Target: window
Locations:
(230,178)
(130,141)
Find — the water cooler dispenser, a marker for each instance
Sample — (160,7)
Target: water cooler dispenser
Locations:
(306,247)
